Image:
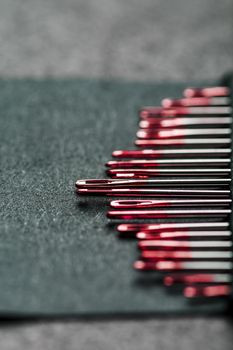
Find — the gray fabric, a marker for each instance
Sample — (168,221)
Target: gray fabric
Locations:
(59,256)
(154,334)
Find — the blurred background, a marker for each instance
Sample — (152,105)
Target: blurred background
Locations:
(129,39)
(173,40)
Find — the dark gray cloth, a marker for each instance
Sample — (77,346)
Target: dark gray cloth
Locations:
(59,254)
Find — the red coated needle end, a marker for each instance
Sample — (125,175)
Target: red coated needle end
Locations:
(117,153)
(139,265)
(209,291)
(207,92)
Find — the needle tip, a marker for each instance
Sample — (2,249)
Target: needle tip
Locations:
(139,265)
(189,92)
(117,153)
(141,235)
(143,113)
(82,190)
(167,103)
(122,228)
(168,281)
(190,292)
(79,183)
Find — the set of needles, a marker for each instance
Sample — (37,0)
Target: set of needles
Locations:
(174,191)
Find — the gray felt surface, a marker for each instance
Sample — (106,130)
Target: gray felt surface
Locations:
(184,39)
(59,256)
(163,334)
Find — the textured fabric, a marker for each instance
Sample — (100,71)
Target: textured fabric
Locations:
(58,253)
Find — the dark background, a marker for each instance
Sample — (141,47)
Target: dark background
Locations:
(134,40)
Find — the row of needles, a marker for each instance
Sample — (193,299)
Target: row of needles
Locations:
(174,192)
